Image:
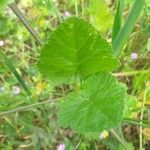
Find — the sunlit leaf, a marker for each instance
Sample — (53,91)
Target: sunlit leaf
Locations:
(75,49)
(97,106)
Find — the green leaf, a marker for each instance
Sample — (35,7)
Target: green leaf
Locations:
(97,106)
(124,33)
(4,3)
(100,14)
(131,106)
(74,49)
(118,19)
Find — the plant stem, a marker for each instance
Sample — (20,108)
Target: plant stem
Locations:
(142,123)
(141,118)
(22,18)
(131,73)
(82,8)
(56,10)
(76,8)
(14,71)
(119,139)
(27,107)
(24,21)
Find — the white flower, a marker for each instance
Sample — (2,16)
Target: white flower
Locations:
(55,1)
(134,56)
(20,37)
(104,134)
(16,90)
(1,43)
(2,89)
(44,2)
(61,147)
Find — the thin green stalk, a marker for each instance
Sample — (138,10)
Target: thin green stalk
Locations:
(80,140)
(131,73)
(141,118)
(119,139)
(56,10)
(14,71)
(22,18)
(27,107)
(142,123)
(10,122)
(76,8)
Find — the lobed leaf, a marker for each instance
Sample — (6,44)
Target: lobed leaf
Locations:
(97,106)
(73,50)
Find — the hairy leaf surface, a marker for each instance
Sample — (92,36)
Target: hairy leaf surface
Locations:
(75,48)
(97,106)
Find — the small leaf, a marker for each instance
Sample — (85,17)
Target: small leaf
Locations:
(75,48)
(96,107)
(130,106)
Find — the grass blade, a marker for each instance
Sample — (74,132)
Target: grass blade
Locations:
(119,139)
(118,19)
(14,71)
(142,123)
(126,30)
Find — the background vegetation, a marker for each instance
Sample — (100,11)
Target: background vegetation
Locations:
(37,127)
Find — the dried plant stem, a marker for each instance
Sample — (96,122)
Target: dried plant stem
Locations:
(22,18)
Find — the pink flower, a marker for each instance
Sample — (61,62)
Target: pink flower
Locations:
(67,14)
(134,56)
(16,90)
(61,146)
